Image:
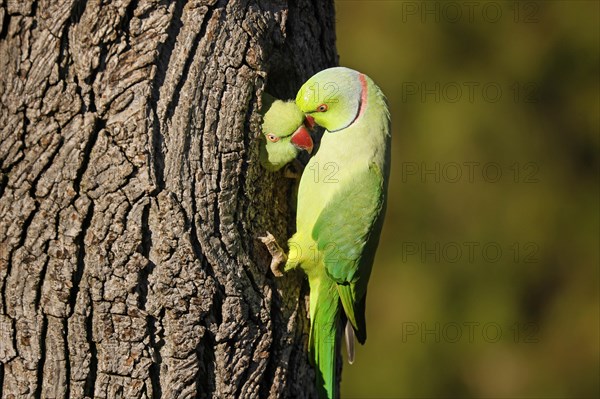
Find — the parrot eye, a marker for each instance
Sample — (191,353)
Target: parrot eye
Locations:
(322,108)
(272,138)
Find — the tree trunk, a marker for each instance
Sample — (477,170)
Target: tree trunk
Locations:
(131,198)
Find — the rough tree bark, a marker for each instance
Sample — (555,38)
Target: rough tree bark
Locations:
(131,198)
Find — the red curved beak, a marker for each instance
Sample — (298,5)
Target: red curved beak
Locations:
(301,139)
(310,122)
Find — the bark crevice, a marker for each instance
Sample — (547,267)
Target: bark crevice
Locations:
(190,56)
(99,124)
(42,361)
(80,264)
(90,381)
(65,327)
(155,347)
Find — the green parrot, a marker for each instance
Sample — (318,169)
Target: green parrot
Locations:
(340,211)
(285,133)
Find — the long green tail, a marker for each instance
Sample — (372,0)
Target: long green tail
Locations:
(324,319)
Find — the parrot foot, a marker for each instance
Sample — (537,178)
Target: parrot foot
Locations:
(276,252)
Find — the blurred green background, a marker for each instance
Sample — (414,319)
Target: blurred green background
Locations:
(486,282)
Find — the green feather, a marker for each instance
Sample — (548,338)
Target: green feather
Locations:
(346,235)
(323,345)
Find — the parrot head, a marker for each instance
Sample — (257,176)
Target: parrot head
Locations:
(285,133)
(332,98)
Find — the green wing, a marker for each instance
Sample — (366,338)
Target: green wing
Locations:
(347,233)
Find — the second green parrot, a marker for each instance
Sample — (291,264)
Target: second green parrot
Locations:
(285,133)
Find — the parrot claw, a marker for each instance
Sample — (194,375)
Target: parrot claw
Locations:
(276,252)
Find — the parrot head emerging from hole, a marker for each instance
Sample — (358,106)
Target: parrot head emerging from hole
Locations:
(286,132)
